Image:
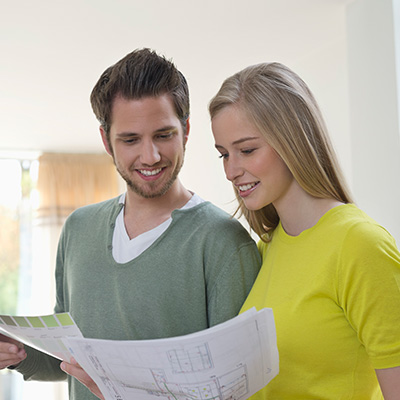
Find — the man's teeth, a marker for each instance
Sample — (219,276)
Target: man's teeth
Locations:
(246,187)
(150,173)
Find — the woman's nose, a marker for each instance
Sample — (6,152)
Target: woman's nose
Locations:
(232,170)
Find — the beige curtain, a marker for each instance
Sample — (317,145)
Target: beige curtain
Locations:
(65,182)
(69,181)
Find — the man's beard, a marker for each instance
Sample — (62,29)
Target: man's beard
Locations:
(149,194)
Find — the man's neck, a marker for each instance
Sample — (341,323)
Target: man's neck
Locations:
(143,214)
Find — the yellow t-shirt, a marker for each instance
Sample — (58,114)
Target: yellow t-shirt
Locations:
(335,294)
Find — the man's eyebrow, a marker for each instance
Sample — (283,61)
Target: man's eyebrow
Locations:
(160,130)
(166,129)
(127,133)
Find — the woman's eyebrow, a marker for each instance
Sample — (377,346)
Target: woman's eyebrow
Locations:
(245,139)
(239,141)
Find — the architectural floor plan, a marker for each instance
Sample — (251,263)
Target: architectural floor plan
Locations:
(231,361)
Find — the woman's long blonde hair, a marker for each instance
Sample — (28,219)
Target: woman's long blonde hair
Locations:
(281,106)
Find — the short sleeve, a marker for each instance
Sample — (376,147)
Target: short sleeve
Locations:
(369,291)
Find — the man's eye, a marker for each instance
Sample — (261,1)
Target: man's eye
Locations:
(130,141)
(166,135)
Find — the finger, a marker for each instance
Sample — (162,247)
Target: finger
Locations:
(8,363)
(77,372)
(12,349)
(4,340)
(6,360)
(11,354)
(74,362)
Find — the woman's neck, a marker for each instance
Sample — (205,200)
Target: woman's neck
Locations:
(300,211)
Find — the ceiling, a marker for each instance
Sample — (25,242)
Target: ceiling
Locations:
(52,52)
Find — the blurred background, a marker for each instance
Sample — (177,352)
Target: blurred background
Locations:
(53,52)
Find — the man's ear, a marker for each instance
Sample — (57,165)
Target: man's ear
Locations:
(105,141)
(186,137)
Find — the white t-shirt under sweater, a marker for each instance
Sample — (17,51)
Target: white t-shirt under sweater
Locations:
(126,249)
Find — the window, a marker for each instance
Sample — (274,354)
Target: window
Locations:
(10,198)
(18,200)
(38,194)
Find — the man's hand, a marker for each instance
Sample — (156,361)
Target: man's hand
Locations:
(75,370)
(11,352)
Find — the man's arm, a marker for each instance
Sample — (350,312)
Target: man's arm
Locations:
(389,381)
(12,352)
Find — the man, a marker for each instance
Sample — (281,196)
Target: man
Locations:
(157,261)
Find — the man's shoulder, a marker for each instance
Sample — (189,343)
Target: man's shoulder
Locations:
(205,211)
(212,219)
(91,211)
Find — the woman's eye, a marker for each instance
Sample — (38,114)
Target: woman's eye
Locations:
(223,156)
(247,151)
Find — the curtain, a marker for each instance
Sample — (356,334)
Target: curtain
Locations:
(65,182)
(69,181)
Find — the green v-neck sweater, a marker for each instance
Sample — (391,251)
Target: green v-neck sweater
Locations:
(195,275)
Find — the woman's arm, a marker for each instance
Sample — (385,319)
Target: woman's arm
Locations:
(389,381)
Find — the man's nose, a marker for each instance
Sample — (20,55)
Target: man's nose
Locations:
(150,153)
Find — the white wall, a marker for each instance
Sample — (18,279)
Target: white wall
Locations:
(396,19)
(53,53)
(309,36)
(374,110)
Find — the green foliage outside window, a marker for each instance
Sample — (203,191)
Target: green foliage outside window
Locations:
(10,242)
(9,260)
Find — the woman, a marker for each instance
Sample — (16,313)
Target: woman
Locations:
(330,273)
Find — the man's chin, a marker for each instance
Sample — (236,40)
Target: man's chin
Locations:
(151,191)
(149,194)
